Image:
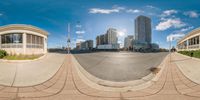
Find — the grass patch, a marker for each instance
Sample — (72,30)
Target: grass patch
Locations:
(22,57)
(193,53)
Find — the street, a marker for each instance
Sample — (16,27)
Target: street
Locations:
(120,66)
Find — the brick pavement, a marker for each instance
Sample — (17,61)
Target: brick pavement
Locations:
(67,85)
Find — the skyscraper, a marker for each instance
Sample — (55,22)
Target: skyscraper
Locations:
(111,36)
(143,29)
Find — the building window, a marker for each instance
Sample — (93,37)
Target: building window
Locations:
(12,40)
(34,41)
(17,38)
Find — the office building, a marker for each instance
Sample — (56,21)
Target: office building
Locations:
(107,40)
(102,39)
(143,29)
(111,36)
(86,45)
(190,42)
(78,45)
(98,40)
(128,42)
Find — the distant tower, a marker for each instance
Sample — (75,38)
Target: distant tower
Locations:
(68,39)
(143,29)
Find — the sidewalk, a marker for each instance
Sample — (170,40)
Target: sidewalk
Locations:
(67,85)
(189,66)
(30,73)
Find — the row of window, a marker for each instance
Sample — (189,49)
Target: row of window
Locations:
(11,38)
(12,45)
(18,38)
(193,41)
(21,46)
(33,39)
(15,40)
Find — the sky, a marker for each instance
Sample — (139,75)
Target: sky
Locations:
(89,18)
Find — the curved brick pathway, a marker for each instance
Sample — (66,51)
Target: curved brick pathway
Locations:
(66,85)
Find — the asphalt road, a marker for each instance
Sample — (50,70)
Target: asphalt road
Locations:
(120,66)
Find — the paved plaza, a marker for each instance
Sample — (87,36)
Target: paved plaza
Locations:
(66,84)
(30,73)
(120,66)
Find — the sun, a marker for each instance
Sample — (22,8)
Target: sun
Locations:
(121,33)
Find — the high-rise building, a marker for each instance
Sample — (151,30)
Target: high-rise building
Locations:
(111,36)
(143,29)
(108,40)
(128,42)
(78,45)
(98,40)
(90,44)
(86,45)
(102,39)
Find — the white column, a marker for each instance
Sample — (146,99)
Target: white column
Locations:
(24,43)
(45,45)
(187,44)
(199,42)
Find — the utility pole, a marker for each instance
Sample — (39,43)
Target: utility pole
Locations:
(170,46)
(68,39)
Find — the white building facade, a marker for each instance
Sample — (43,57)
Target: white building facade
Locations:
(108,41)
(190,42)
(23,39)
(112,36)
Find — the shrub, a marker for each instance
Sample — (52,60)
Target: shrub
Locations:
(196,53)
(3,53)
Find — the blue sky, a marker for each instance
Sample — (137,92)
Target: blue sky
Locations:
(175,18)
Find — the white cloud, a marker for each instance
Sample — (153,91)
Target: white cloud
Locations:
(79,40)
(115,9)
(191,14)
(152,7)
(169,12)
(173,37)
(78,26)
(186,29)
(80,32)
(168,23)
(183,30)
(134,11)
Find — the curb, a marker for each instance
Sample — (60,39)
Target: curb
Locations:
(105,85)
(21,61)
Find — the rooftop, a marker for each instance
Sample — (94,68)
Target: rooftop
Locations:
(23,27)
